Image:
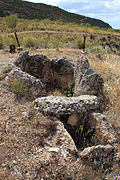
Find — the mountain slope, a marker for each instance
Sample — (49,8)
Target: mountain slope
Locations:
(42,11)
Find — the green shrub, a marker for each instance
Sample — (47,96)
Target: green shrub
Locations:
(11,21)
(31,43)
(96,27)
(17,87)
(110,30)
(6,70)
(2,76)
(98,51)
(3,73)
(87,25)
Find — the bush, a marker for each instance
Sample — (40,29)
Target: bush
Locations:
(30,43)
(98,51)
(2,76)
(87,25)
(6,70)
(3,73)
(17,87)
(11,21)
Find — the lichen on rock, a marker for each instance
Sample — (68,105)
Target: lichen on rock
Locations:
(33,86)
(86,80)
(55,73)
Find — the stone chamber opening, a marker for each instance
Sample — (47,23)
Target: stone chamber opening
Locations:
(83,134)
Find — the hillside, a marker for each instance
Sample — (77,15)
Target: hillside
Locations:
(42,11)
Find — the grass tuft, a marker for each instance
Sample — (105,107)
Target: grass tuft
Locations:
(17,87)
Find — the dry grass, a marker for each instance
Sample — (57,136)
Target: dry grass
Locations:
(55,93)
(109,69)
(48,25)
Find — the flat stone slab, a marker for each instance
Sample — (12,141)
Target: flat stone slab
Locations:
(57,105)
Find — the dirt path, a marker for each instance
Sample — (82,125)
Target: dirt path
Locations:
(7,58)
(48,32)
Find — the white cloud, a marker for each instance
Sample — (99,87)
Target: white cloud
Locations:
(115,4)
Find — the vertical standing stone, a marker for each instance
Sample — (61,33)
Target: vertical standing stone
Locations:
(86,80)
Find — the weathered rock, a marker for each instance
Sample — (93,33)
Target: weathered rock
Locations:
(67,144)
(100,157)
(33,86)
(79,118)
(104,130)
(86,80)
(117,157)
(63,72)
(61,144)
(57,105)
(72,111)
(58,73)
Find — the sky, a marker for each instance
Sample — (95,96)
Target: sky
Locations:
(106,10)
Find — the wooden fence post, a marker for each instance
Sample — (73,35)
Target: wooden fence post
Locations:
(84,41)
(17,39)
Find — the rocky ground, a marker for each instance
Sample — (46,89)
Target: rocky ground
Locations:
(32,146)
(27,151)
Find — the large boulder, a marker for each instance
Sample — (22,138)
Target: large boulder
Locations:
(55,73)
(104,130)
(25,83)
(63,73)
(86,80)
(81,117)
(73,107)
(100,157)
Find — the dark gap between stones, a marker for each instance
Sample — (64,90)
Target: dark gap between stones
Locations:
(82,134)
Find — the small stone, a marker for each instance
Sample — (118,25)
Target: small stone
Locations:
(54,149)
